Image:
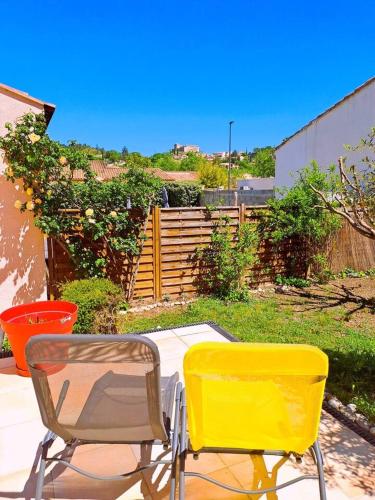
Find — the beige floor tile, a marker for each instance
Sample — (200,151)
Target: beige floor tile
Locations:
(197,338)
(233,458)
(190,330)
(18,445)
(171,348)
(160,335)
(199,489)
(207,462)
(18,406)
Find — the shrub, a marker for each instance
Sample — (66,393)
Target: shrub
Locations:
(183,195)
(292,281)
(225,263)
(98,301)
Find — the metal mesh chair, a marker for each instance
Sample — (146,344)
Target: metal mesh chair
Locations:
(252,399)
(102,389)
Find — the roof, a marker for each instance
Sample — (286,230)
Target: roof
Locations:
(101,170)
(348,96)
(48,108)
(106,172)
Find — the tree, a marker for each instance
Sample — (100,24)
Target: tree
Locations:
(124,152)
(211,175)
(193,161)
(263,162)
(137,160)
(354,195)
(112,156)
(164,161)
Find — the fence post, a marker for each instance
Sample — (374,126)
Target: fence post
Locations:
(156,252)
(242,213)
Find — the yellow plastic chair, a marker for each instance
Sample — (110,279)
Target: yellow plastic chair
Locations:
(252,399)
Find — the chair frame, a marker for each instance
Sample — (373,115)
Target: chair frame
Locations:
(171,445)
(185,449)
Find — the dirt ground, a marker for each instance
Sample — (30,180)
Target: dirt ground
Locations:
(352,298)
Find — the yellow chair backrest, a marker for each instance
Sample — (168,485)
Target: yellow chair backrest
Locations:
(254,396)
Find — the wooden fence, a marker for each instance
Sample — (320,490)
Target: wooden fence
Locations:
(167,267)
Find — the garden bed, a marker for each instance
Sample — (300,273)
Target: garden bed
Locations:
(338,317)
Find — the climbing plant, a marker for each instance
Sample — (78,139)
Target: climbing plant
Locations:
(90,219)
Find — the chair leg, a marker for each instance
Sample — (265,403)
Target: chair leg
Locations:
(40,479)
(181,479)
(183,448)
(176,430)
(320,467)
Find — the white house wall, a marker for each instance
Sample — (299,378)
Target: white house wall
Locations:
(324,139)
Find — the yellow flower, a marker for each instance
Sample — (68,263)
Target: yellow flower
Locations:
(30,205)
(113,214)
(89,212)
(9,172)
(29,191)
(34,137)
(38,201)
(63,160)
(49,193)
(18,204)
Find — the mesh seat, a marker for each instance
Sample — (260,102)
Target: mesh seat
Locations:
(114,392)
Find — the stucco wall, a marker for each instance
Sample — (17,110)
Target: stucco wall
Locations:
(22,265)
(324,139)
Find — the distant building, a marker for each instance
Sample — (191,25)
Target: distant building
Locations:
(323,138)
(183,149)
(220,154)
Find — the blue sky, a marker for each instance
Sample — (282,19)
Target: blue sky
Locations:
(147,74)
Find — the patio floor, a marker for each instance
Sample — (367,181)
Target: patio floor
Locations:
(350,460)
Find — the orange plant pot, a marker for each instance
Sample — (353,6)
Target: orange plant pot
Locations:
(24,321)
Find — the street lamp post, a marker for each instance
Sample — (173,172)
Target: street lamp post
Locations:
(230,153)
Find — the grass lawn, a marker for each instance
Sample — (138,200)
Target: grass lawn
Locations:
(321,317)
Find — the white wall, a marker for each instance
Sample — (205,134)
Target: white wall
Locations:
(324,139)
(22,265)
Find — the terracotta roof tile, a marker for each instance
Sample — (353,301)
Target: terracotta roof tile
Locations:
(106,172)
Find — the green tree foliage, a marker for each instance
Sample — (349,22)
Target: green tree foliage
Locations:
(212,175)
(193,161)
(137,160)
(263,162)
(165,161)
